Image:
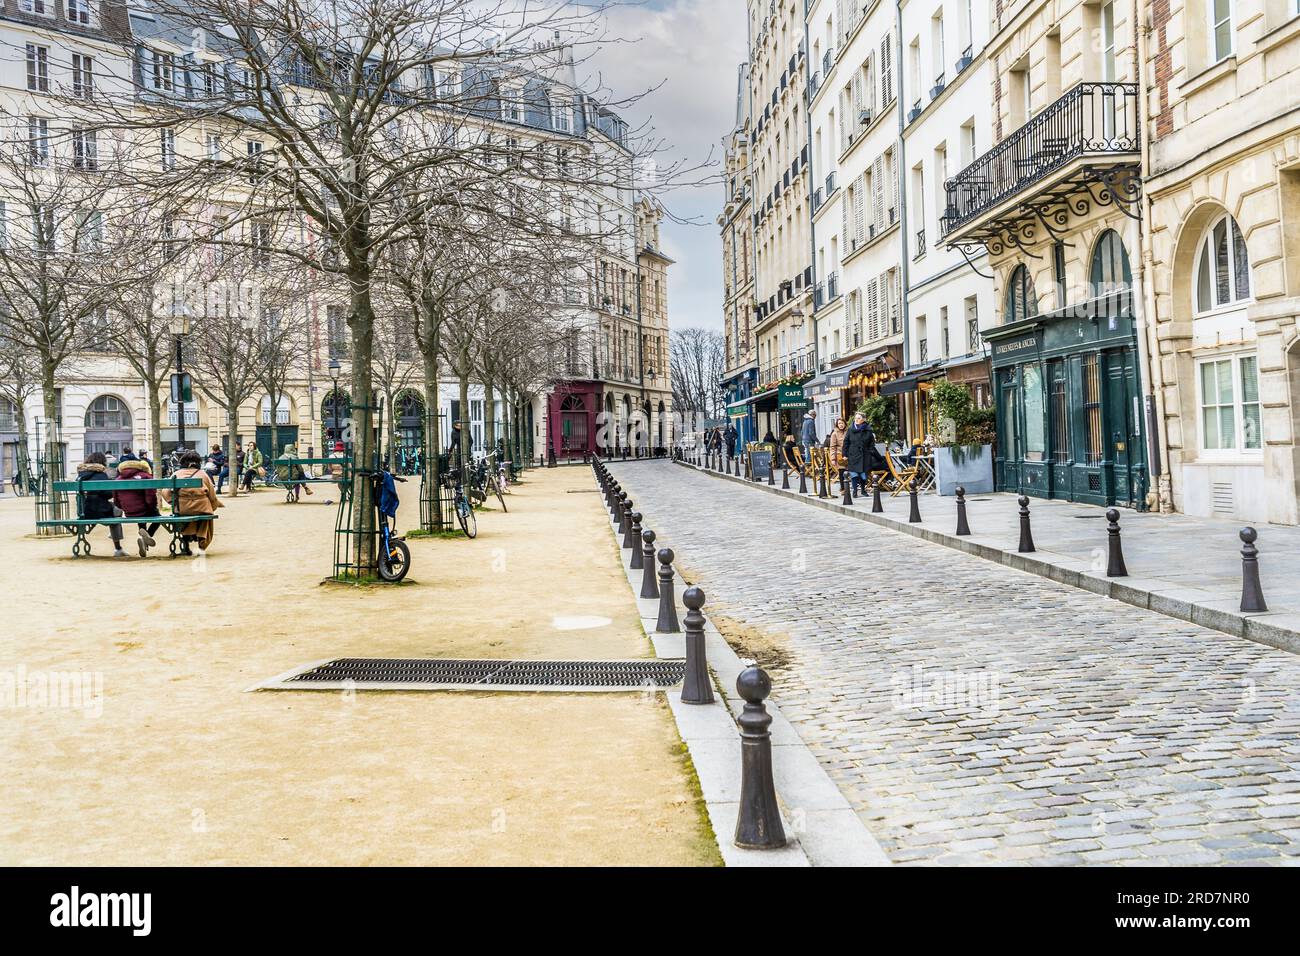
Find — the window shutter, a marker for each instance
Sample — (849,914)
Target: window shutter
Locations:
(846,212)
(859,219)
(886,73)
(869,84)
(873,311)
(858,105)
(878,194)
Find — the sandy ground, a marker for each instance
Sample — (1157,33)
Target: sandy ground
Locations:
(184,767)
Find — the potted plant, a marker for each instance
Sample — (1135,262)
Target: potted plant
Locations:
(963,453)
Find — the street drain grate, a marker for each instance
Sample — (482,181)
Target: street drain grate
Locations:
(436,674)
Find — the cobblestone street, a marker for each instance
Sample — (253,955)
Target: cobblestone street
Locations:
(977,714)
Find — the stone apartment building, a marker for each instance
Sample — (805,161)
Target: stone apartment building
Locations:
(740,376)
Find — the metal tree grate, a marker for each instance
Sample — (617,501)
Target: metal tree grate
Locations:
(605,675)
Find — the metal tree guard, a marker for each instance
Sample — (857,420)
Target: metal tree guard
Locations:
(355,533)
(51,505)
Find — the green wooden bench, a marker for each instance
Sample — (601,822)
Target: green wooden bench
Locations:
(275,478)
(81,526)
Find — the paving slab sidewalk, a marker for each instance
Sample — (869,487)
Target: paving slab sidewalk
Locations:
(1183,567)
(823,827)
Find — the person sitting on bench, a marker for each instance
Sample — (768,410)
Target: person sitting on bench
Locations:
(138,504)
(195,501)
(99,504)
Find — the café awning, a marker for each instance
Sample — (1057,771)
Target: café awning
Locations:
(824,384)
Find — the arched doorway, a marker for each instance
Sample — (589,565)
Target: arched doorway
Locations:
(660,443)
(574,421)
(609,425)
(335,416)
(285,431)
(625,426)
(408,419)
(108,426)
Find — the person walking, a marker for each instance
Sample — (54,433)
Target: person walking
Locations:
(141,503)
(99,504)
(253,462)
(859,452)
(195,501)
(836,444)
(730,436)
(808,433)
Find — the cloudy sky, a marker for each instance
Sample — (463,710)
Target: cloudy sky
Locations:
(687,53)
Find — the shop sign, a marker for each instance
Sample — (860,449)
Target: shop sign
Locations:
(791,396)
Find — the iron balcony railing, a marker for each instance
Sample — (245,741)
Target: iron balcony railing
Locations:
(1091,119)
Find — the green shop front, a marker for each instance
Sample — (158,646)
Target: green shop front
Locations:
(1069,406)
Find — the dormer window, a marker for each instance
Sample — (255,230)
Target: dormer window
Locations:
(83,12)
(39,8)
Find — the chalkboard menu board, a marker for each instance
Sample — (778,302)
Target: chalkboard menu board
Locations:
(760,461)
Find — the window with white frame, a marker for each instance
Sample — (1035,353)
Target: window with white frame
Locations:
(1108,42)
(167,148)
(38,140)
(1229,401)
(1220,12)
(281,410)
(85,149)
(41,8)
(38,68)
(83,12)
(83,75)
(1222,271)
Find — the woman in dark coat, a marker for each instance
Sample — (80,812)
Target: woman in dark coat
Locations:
(859,452)
(99,504)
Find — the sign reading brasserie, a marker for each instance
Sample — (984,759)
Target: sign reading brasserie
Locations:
(791,396)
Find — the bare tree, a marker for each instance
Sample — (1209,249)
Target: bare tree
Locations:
(697,360)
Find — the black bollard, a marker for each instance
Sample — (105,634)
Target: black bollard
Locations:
(667,623)
(620,511)
(822,491)
(636,563)
(625,519)
(1252,597)
(962,526)
(847,497)
(785,479)
(913,507)
(1026,535)
(877,507)
(696,687)
(649,588)
(1115,567)
(771,480)
(803,482)
(633,529)
(758,823)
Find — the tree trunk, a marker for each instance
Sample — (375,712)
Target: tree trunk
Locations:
(155,422)
(489,415)
(465,423)
(232,432)
(362,322)
(432,476)
(274,399)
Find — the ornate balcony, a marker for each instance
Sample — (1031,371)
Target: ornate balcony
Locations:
(1081,150)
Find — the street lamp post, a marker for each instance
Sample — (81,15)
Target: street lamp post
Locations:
(179,326)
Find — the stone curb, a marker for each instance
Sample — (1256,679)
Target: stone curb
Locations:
(1217,615)
(829,831)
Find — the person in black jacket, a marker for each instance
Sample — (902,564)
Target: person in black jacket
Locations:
(99,504)
(859,452)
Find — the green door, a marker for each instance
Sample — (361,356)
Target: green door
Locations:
(284,435)
(1123,433)
(1011,449)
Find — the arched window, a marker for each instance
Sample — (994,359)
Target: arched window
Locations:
(108,413)
(1222,275)
(1022,303)
(8,415)
(1110,269)
(281,411)
(573,403)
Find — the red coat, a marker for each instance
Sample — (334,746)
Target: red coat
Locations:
(135,504)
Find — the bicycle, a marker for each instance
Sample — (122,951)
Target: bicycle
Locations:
(393,556)
(488,480)
(464,510)
(25,483)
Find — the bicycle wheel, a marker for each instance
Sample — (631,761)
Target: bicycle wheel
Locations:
(465,515)
(496,487)
(19,488)
(394,565)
